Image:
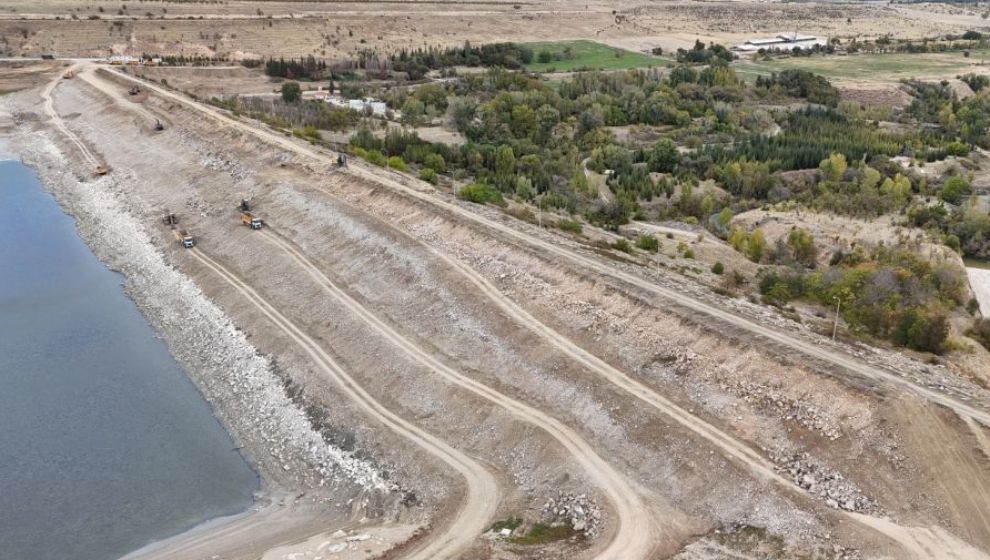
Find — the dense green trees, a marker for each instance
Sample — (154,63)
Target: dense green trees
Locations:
(968,224)
(802,84)
(291,92)
(954,189)
(533,140)
(419,61)
(702,54)
(810,135)
(308,68)
(892,293)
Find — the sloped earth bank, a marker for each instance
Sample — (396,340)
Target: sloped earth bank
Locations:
(843,445)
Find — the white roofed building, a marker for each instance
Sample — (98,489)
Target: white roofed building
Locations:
(781,42)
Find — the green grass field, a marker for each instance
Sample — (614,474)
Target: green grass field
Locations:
(871,67)
(589,54)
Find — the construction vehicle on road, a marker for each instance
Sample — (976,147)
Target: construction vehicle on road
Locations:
(102,169)
(134,90)
(185,238)
(250,220)
(182,236)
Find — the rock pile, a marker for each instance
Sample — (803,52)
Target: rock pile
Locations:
(829,486)
(783,406)
(577,510)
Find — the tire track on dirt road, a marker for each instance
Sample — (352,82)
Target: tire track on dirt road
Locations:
(809,349)
(482,498)
(634,538)
(834,357)
(921,542)
(46,95)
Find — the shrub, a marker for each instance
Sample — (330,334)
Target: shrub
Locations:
(435,162)
(756,245)
(397,163)
(623,245)
(802,245)
(689,254)
(308,132)
(972,306)
(648,243)
(428,175)
(954,189)
(291,92)
(922,331)
(480,193)
(718,267)
(981,332)
(570,226)
(376,157)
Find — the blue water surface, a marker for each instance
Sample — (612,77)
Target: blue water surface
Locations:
(105,444)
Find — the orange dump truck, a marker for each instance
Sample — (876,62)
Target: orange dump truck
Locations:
(251,221)
(186,238)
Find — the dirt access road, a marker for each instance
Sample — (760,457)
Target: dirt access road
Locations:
(481,501)
(635,536)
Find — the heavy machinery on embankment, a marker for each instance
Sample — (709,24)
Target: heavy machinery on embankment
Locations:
(248,218)
(182,236)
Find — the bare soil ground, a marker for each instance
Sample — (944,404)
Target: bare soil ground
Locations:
(209,82)
(20,75)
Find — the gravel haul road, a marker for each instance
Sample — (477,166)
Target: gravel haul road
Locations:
(635,536)
(481,501)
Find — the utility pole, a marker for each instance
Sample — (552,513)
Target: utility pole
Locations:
(658,253)
(835,325)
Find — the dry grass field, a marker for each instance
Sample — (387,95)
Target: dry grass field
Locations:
(330,29)
(877,68)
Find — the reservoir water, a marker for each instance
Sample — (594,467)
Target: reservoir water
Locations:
(105,444)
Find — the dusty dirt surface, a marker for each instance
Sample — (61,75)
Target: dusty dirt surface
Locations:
(214,81)
(17,75)
(877,95)
(979,280)
(244,28)
(401,321)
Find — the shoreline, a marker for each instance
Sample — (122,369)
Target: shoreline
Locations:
(270,432)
